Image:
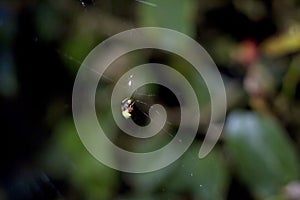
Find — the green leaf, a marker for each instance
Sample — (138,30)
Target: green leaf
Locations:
(92,179)
(205,178)
(174,14)
(263,154)
(200,178)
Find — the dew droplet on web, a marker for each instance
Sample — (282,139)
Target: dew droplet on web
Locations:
(82,3)
(86,3)
(130,80)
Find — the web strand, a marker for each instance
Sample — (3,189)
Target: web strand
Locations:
(112,81)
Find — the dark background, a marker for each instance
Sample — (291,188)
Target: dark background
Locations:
(255,45)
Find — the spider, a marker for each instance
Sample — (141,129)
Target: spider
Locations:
(127,107)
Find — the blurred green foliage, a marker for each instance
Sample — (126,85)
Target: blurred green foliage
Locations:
(257,156)
(173,14)
(261,153)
